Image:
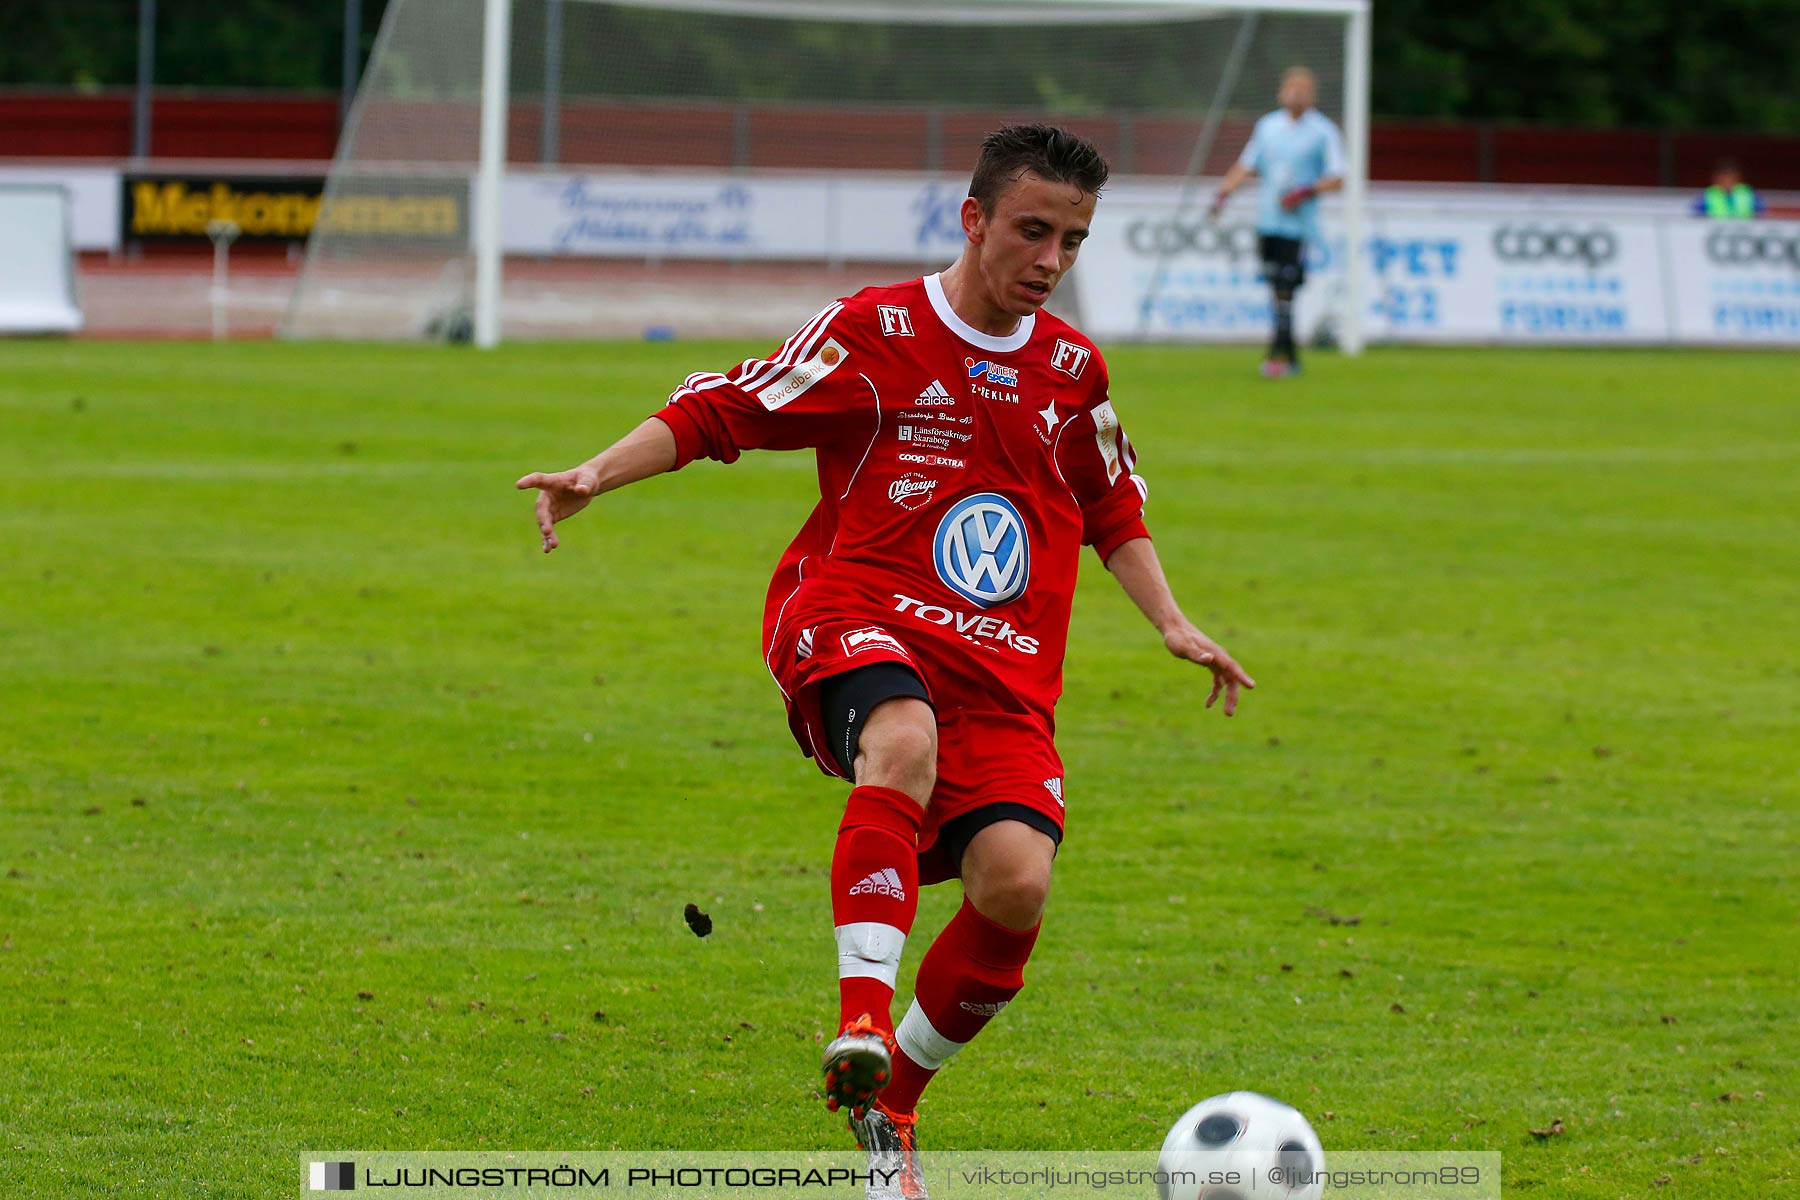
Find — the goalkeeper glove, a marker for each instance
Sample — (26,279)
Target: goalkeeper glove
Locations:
(1294,197)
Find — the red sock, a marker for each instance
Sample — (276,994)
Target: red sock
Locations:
(970,973)
(874,897)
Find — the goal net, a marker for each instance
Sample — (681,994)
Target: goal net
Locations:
(718,167)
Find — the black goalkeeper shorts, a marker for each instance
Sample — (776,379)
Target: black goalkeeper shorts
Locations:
(1283,261)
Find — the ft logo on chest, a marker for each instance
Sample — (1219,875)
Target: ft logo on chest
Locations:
(1069,358)
(895,320)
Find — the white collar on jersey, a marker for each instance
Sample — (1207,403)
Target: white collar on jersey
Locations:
(940,304)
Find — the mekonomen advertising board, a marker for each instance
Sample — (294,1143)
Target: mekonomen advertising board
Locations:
(421,211)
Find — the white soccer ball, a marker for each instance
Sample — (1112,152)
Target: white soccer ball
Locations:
(1241,1146)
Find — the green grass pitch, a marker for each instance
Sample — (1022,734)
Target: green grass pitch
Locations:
(333,813)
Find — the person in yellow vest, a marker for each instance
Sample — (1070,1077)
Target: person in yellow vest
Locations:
(1729,198)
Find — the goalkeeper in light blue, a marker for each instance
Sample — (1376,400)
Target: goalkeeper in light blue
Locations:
(1296,153)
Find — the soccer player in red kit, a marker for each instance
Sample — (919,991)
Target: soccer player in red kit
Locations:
(967,449)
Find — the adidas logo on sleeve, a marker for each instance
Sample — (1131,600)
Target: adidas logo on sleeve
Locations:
(885,882)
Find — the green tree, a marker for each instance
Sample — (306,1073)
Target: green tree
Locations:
(1726,64)
(199,43)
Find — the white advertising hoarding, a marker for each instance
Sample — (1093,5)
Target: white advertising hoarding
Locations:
(1144,272)
(913,220)
(1735,281)
(93,200)
(1525,278)
(1453,277)
(825,218)
(1447,265)
(1450,274)
(618,216)
(37,284)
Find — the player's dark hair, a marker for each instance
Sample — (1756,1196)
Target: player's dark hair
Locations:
(1044,150)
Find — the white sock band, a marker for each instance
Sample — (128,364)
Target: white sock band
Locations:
(869,950)
(922,1043)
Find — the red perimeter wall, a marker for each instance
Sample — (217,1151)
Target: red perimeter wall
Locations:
(304,127)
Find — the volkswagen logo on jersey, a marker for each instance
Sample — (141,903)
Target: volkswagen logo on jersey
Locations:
(981,550)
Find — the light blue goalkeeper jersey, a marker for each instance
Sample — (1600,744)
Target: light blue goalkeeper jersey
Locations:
(1287,153)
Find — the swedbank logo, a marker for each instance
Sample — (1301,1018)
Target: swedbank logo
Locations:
(286,209)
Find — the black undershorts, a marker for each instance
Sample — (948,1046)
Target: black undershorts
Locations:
(845,702)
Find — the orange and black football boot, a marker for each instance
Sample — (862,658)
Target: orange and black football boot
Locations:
(858,1063)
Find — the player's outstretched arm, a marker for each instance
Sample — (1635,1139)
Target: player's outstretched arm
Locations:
(1134,564)
(645,451)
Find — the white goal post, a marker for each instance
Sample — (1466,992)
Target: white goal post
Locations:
(523,97)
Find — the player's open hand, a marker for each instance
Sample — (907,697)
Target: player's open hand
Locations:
(561,494)
(1185,641)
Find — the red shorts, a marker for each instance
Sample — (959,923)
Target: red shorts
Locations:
(984,756)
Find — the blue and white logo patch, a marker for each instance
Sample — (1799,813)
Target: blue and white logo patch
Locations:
(981,550)
(993,372)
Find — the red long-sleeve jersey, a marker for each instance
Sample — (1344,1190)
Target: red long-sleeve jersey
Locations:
(959,476)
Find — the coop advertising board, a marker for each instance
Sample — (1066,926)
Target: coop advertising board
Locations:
(1735,282)
(1514,278)
(1525,277)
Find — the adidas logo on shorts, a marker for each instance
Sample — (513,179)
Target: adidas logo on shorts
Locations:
(1054,787)
(885,882)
